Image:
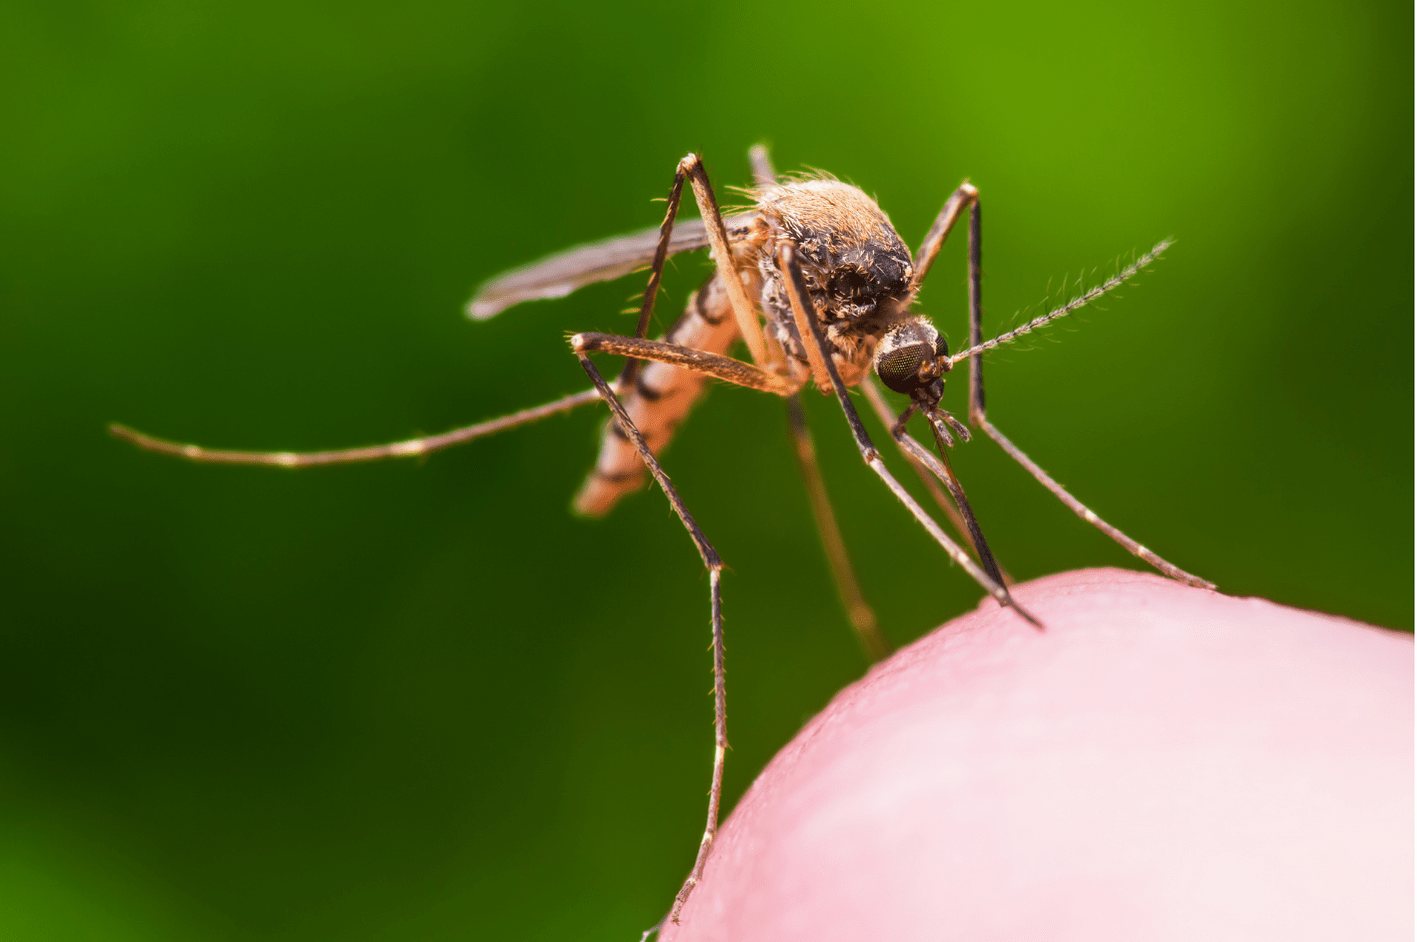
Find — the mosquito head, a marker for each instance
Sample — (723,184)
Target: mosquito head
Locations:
(912,357)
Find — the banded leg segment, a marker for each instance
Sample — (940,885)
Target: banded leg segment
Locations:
(812,336)
(715,567)
(404,449)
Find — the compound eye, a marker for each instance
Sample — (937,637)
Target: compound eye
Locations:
(899,368)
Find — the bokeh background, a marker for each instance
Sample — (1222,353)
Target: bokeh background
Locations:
(421,700)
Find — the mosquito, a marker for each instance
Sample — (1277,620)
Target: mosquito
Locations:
(819,288)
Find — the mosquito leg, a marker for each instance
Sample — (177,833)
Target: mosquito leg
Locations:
(976,312)
(965,195)
(700,361)
(940,467)
(807,325)
(862,618)
(691,168)
(872,388)
(656,272)
(1077,507)
(715,567)
(977,416)
(403,449)
(744,311)
(745,374)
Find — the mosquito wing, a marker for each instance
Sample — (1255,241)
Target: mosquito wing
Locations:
(558,275)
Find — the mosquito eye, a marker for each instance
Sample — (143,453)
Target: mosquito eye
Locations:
(899,369)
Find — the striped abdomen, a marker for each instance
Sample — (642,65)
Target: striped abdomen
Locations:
(662,397)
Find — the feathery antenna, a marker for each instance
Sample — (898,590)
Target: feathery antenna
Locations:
(1082,300)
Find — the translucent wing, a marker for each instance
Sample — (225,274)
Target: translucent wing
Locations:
(558,275)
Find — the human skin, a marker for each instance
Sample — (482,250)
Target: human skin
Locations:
(1159,762)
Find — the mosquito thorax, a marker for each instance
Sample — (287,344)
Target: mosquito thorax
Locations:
(854,262)
(912,356)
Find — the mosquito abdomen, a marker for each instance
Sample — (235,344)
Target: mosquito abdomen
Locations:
(661,399)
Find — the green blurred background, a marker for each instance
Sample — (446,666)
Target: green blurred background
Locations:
(420,700)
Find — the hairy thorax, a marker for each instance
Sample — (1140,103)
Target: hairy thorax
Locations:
(857,269)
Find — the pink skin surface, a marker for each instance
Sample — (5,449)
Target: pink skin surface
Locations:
(1159,763)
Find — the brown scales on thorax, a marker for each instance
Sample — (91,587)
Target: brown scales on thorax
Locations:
(858,272)
(857,269)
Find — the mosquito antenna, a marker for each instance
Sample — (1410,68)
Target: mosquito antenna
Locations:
(1082,300)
